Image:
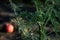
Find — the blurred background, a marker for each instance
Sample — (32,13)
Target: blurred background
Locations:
(32,19)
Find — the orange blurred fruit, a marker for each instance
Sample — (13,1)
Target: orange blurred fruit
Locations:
(9,28)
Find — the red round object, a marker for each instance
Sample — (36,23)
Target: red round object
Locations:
(9,28)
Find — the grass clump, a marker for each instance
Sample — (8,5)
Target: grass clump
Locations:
(33,24)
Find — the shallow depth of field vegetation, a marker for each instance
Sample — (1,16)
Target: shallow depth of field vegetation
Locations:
(36,19)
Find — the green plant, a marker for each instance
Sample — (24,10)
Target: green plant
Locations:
(47,13)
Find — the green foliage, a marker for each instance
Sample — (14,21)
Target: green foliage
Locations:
(48,11)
